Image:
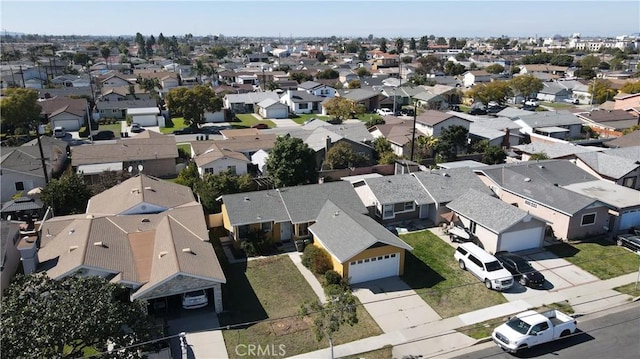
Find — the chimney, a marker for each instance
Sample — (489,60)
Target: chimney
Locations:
(505,139)
(28,254)
(327,146)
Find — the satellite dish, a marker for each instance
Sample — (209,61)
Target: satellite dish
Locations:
(130,169)
(140,168)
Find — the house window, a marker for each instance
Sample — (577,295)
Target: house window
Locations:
(472,227)
(232,169)
(266,226)
(208,170)
(387,211)
(588,219)
(243,231)
(408,206)
(303,106)
(303,229)
(393,255)
(629,182)
(19,186)
(530,204)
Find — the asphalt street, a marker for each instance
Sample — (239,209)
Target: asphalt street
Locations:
(612,336)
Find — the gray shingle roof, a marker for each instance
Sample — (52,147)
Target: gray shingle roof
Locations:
(398,188)
(446,185)
(608,164)
(255,207)
(542,182)
(488,211)
(345,233)
(303,96)
(549,118)
(555,150)
(357,94)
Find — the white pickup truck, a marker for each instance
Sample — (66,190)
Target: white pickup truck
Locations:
(531,328)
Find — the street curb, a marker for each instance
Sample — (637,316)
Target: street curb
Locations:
(482,341)
(635,299)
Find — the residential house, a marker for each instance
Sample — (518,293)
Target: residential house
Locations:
(620,165)
(317,89)
(115,79)
(629,140)
(579,89)
(431,122)
(123,93)
(361,249)
(146,116)
(145,233)
(431,101)
(69,113)
(21,167)
(247,102)
(71,81)
(367,98)
(398,134)
(554,124)
(286,213)
(543,68)
(553,92)
(417,195)
(626,102)
(149,152)
(498,131)
(554,150)
(300,102)
(118,109)
(498,225)
(257,57)
(9,255)
(270,108)
(471,78)
(71,92)
(216,159)
(609,123)
(538,188)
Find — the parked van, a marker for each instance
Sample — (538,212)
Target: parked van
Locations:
(59,132)
(484,266)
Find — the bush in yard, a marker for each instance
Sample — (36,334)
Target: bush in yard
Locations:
(316,259)
(332,277)
(255,244)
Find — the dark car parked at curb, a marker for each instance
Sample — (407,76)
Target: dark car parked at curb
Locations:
(104,135)
(522,271)
(477,111)
(630,241)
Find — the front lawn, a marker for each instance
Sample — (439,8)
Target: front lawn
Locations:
(302,118)
(433,273)
(116,128)
(248,120)
(631,289)
(178,124)
(557,105)
(598,256)
(268,293)
(368,116)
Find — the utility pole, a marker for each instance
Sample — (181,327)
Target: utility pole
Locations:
(44,165)
(413,133)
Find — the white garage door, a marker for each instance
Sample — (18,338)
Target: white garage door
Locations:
(277,113)
(367,269)
(521,240)
(630,219)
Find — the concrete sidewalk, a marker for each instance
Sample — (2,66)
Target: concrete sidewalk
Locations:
(439,337)
(296,258)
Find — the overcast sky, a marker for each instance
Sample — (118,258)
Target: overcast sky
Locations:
(302,18)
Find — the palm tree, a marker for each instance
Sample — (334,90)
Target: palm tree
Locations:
(105,52)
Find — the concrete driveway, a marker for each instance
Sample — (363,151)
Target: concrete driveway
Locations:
(393,304)
(203,342)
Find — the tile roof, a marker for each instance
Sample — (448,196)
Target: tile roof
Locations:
(488,211)
(148,145)
(346,233)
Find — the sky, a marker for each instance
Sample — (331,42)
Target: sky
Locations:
(303,18)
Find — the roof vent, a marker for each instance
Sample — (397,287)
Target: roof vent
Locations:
(541,166)
(247,199)
(336,213)
(72,231)
(149,189)
(145,220)
(188,250)
(89,216)
(445,174)
(135,191)
(100,244)
(527,179)
(162,254)
(72,248)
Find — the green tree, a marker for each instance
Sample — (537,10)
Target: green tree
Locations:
(354,84)
(47,318)
(589,62)
(631,129)
(630,87)
(616,64)
(192,103)
(412,44)
(601,91)
(19,108)
(353,47)
(383,44)
(321,57)
(429,64)
(218,51)
(538,156)
(300,77)
(441,41)
(400,45)
(81,58)
(342,109)
(454,137)
(374,121)
(453,43)
(291,163)
(328,74)
(526,85)
(339,310)
(585,73)
(561,60)
(453,69)
(363,72)
(150,85)
(213,186)
(68,194)
(341,155)
(497,91)
(493,155)
(105,52)
(494,69)
(425,146)
(189,176)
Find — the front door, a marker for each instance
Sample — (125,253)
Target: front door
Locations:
(285,231)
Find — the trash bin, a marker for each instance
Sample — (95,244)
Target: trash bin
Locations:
(299,245)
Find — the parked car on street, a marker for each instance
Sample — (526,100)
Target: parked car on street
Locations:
(103,135)
(572,100)
(195,299)
(630,241)
(477,111)
(484,266)
(522,271)
(531,328)
(531,102)
(384,111)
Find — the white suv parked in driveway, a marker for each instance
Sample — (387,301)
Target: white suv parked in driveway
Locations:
(384,111)
(484,266)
